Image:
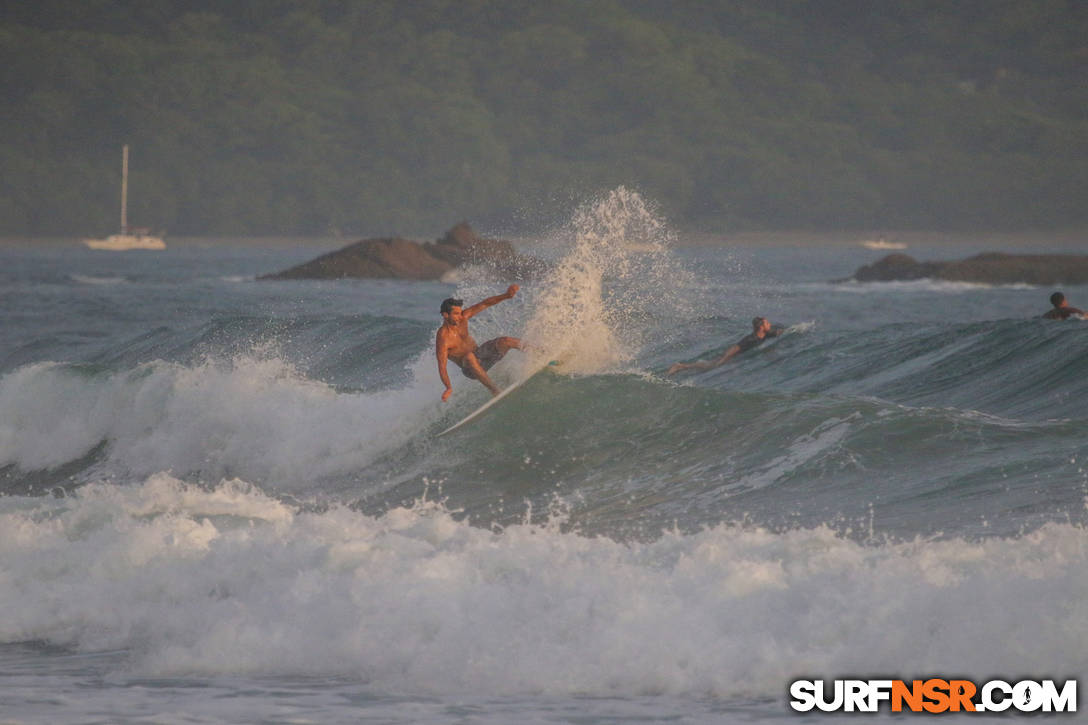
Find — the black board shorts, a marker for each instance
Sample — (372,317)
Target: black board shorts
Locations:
(488,354)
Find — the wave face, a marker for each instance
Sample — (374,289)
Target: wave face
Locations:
(189,458)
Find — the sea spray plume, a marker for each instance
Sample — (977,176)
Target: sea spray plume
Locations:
(591,309)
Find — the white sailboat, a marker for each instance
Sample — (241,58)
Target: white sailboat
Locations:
(882,243)
(130,237)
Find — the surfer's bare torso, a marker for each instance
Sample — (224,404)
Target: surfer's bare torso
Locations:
(457,340)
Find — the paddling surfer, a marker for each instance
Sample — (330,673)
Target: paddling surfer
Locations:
(761,330)
(453,342)
(1062,310)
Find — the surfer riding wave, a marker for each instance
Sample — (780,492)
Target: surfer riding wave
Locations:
(453,342)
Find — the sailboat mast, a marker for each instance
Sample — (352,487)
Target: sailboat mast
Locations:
(124,189)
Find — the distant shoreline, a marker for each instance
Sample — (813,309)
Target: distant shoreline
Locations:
(189,242)
(854,238)
(1029,239)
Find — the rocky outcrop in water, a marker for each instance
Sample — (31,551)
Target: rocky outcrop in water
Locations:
(987,268)
(396,258)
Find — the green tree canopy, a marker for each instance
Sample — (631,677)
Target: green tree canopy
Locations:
(305,116)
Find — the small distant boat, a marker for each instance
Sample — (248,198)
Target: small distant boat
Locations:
(882,243)
(130,237)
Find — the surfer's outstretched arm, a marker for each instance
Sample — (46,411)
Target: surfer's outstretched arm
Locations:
(490,301)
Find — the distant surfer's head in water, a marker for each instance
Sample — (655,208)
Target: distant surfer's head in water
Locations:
(1062,310)
(453,342)
(761,330)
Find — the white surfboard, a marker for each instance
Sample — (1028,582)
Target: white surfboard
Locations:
(489,404)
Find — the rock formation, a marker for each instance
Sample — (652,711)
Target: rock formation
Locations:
(398,258)
(988,268)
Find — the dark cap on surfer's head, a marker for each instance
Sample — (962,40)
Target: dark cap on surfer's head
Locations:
(449,303)
(1057,299)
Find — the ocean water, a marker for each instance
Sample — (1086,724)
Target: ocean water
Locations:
(224,501)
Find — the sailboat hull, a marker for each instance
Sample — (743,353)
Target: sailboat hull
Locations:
(124,242)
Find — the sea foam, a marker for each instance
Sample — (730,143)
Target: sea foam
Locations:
(251,417)
(614,274)
(228,580)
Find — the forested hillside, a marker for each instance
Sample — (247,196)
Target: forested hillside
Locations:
(311,116)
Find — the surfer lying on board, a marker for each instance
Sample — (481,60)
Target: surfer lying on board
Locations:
(1062,309)
(761,330)
(453,342)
